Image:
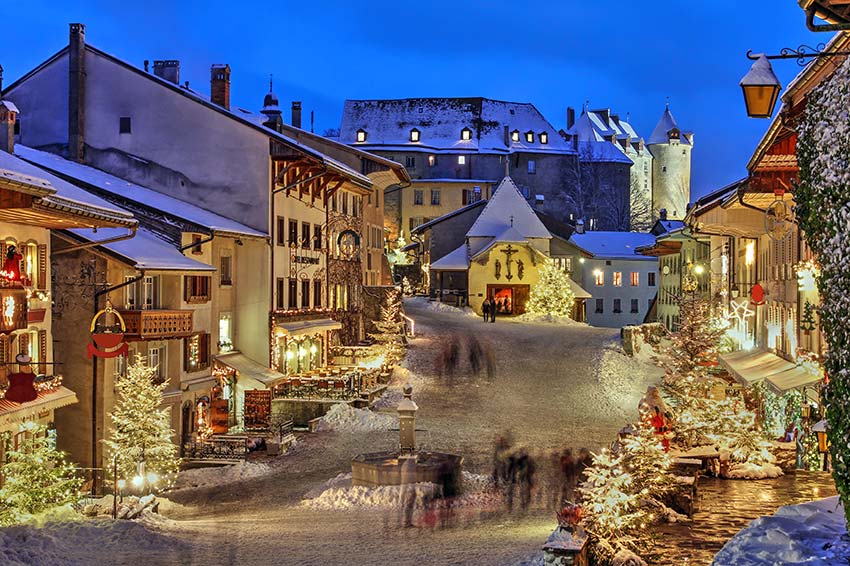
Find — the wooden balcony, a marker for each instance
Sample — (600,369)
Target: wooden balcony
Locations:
(157,324)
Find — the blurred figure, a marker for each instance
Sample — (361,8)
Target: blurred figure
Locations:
(485,308)
(567,466)
(408,491)
(490,363)
(525,469)
(500,457)
(475,354)
(584,461)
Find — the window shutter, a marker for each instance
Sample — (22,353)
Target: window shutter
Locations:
(41,278)
(42,351)
(23,343)
(187,287)
(186,355)
(4,349)
(205,350)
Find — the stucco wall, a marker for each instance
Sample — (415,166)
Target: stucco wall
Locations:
(671,178)
(43,104)
(625,292)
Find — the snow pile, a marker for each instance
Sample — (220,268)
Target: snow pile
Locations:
(627,558)
(749,471)
(436,306)
(81,542)
(623,378)
(546,318)
(810,533)
(345,418)
(206,477)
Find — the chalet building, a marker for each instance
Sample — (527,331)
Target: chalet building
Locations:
(33,204)
(662,164)
(456,150)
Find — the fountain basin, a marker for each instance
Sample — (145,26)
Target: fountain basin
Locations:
(385,468)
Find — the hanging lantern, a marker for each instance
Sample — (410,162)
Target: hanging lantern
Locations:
(761,89)
(823,440)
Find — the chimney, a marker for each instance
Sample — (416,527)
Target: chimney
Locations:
(296,113)
(8,115)
(1,79)
(76,92)
(579,226)
(312,121)
(571,117)
(147,64)
(507,137)
(220,85)
(168,70)
(662,214)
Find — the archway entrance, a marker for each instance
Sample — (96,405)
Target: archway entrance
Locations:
(509,299)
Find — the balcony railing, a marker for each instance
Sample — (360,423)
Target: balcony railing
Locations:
(157,324)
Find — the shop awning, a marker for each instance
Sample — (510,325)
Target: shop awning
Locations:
(791,379)
(753,366)
(246,368)
(12,414)
(303,327)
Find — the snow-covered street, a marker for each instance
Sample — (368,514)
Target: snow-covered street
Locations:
(555,386)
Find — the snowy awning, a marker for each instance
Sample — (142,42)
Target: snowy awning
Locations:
(305,327)
(750,367)
(793,378)
(578,291)
(12,414)
(246,368)
(456,260)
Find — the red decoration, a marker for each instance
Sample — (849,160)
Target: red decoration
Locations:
(108,341)
(21,387)
(757,294)
(12,264)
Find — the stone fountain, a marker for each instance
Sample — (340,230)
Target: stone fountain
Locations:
(385,468)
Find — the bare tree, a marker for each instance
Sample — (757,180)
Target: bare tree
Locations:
(640,208)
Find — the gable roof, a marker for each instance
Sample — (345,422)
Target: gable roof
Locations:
(455,260)
(145,250)
(602,152)
(125,190)
(422,227)
(388,123)
(507,208)
(613,245)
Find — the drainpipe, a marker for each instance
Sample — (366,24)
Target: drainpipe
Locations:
(95,310)
(86,245)
(810,21)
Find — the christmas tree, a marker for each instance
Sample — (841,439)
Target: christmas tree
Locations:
(699,334)
(807,319)
(390,328)
(648,463)
(36,477)
(552,294)
(141,430)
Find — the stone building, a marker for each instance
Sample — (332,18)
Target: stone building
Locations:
(456,150)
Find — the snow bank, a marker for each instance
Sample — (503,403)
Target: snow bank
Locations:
(80,542)
(206,477)
(749,471)
(809,533)
(622,378)
(436,306)
(345,418)
(545,318)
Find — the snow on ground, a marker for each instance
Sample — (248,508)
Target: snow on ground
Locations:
(624,378)
(345,418)
(809,533)
(222,475)
(543,318)
(436,306)
(748,471)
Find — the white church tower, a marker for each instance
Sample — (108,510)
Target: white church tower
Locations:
(671,167)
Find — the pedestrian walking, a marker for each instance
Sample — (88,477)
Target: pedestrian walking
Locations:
(475,354)
(493,309)
(490,362)
(568,477)
(485,308)
(408,491)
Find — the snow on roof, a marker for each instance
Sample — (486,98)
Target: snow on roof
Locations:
(130,191)
(600,126)
(440,122)
(620,245)
(662,129)
(66,194)
(452,180)
(455,260)
(602,152)
(10,106)
(422,227)
(145,250)
(508,208)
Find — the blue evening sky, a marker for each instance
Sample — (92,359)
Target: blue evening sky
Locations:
(554,54)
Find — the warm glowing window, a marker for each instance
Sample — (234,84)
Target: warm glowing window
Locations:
(529,137)
(599,276)
(618,279)
(635,279)
(461,160)
(515,135)
(750,253)
(466,134)
(414,135)
(432,160)
(361,135)
(544,137)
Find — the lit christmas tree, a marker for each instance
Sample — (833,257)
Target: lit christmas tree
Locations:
(552,294)
(648,463)
(390,328)
(141,430)
(699,334)
(36,477)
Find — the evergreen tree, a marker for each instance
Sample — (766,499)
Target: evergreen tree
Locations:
(552,294)
(390,328)
(36,477)
(648,463)
(140,428)
(699,334)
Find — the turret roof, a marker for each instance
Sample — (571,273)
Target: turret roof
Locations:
(662,129)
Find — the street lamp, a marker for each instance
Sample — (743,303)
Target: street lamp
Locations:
(823,442)
(761,88)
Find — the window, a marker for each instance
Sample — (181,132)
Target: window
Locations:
(461,160)
(305,235)
(293,232)
(634,305)
(410,161)
(196,352)
(650,279)
(617,306)
(225,332)
(618,279)
(280,300)
(599,276)
(124,125)
(529,137)
(466,134)
(305,294)
(369,260)
(281,231)
(599,306)
(317,292)
(635,279)
(435,197)
(156,359)
(532,167)
(196,288)
(143,294)
(432,160)
(544,138)
(361,135)
(418,196)
(515,135)
(197,247)
(317,237)
(414,135)
(224,271)
(663,168)
(344,202)
(292,299)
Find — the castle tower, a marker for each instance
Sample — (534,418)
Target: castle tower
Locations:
(671,167)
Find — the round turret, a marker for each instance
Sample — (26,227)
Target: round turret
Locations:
(671,167)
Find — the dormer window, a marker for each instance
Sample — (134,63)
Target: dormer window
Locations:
(466,134)
(529,137)
(544,138)
(361,135)
(515,135)
(414,135)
